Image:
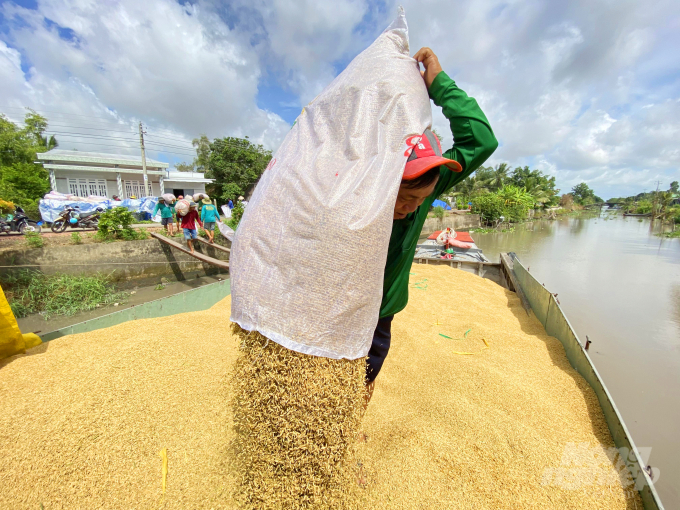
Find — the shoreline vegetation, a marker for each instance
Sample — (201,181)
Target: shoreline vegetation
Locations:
(501,195)
(29,292)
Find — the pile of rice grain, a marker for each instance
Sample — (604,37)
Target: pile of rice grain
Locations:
(83,418)
(489,430)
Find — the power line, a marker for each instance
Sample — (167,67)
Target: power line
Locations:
(64,133)
(109,130)
(50,124)
(169,138)
(24,108)
(71,126)
(121,146)
(97,144)
(172,146)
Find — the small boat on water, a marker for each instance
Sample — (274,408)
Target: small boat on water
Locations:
(450,245)
(647,215)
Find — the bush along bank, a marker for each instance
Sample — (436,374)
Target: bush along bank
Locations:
(30,292)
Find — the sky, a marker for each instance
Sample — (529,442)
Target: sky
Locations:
(585,90)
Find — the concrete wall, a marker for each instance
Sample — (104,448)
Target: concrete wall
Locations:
(455,221)
(195,187)
(139,260)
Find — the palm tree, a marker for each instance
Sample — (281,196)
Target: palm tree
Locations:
(499,176)
(49,144)
(665,199)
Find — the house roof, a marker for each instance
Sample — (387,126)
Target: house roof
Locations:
(187,177)
(98,157)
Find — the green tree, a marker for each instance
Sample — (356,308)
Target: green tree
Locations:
(21,180)
(236,164)
(567,201)
(665,200)
(185,167)
(499,176)
(511,202)
(202,159)
(236,215)
(581,192)
(535,182)
(489,206)
(674,187)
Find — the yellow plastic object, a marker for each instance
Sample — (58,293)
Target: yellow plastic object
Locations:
(11,340)
(164,470)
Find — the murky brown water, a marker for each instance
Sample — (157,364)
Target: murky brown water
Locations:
(620,285)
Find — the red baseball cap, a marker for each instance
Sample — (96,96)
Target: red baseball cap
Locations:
(424,153)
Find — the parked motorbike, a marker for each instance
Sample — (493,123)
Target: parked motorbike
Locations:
(72,217)
(20,223)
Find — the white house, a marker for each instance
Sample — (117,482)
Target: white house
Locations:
(95,173)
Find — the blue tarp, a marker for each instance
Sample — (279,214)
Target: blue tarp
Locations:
(50,209)
(441,203)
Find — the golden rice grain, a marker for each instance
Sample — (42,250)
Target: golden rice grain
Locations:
(82,418)
(296,417)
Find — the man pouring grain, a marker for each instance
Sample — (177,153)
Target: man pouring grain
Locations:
(428,174)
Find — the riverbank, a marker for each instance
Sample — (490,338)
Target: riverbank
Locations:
(143,260)
(130,296)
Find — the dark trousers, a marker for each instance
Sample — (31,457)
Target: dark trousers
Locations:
(379,348)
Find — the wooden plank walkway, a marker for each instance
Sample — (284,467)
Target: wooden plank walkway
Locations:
(196,255)
(214,245)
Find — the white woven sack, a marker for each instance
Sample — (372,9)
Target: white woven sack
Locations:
(182,207)
(309,254)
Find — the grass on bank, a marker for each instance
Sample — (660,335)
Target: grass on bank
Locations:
(485,230)
(670,235)
(34,240)
(30,292)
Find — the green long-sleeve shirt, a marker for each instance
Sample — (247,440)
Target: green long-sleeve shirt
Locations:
(166,210)
(473,143)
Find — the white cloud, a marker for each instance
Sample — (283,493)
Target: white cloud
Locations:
(564,84)
(305,37)
(176,68)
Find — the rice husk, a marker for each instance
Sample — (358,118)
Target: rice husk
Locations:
(296,419)
(83,417)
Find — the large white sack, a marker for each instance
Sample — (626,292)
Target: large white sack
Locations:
(309,254)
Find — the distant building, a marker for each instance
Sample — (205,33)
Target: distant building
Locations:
(95,173)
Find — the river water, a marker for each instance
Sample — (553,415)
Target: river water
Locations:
(620,285)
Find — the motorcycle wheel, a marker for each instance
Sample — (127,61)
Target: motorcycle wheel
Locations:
(58,226)
(29,226)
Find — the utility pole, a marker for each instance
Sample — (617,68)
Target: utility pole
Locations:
(147,185)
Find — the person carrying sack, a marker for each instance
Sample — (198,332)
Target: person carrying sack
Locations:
(209,216)
(427,175)
(189,221)
(167,213)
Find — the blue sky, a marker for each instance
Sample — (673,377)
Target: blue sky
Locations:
(584,90)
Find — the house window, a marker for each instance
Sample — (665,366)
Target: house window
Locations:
(134,188)
(85,187)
